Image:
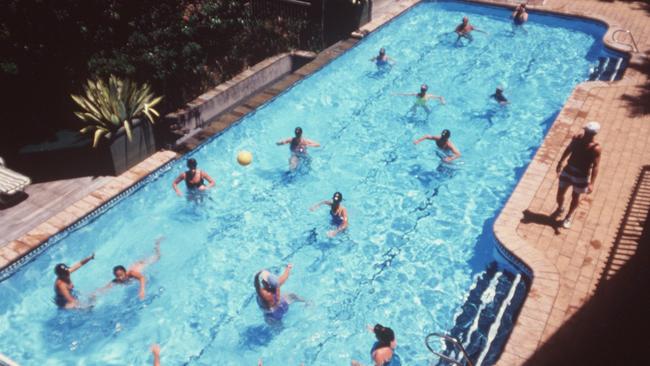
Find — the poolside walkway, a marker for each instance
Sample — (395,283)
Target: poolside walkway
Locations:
(570,265)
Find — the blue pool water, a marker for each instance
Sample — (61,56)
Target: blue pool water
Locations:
(419,236)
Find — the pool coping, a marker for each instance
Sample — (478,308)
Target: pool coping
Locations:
(537,311)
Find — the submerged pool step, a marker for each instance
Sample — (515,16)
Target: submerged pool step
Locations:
(487,316)
(608,69)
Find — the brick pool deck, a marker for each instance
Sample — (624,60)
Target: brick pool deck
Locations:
(567,264)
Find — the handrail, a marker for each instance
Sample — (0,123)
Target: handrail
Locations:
(457,345)
(634,45)
(6,361)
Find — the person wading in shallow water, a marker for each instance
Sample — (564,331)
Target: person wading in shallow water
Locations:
(194,179)
(584,159)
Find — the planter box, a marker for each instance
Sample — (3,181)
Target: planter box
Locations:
(120,154)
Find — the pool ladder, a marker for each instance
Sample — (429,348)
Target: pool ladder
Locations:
(635,48)
(457,345)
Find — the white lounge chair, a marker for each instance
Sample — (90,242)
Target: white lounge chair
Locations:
(10,181)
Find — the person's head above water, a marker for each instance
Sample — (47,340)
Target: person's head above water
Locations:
(268,280)
(385,336)
(499,90)
(120,273)
(191,163)
(445,135)
(62,271)
(465,20)
(423,90)
(382,51)
(298,131)
(337,197)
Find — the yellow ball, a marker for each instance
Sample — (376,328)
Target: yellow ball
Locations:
(244,157)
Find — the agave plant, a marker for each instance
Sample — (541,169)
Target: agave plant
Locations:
(109,106)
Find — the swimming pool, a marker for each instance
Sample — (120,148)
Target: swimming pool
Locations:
(419,237)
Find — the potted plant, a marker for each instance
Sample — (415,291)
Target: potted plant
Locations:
(114,111)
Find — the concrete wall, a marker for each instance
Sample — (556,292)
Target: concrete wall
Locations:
(224,97)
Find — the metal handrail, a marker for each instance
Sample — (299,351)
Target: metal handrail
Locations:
(634,45)
(457,345)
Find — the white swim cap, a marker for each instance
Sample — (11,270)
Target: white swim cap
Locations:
(592,127)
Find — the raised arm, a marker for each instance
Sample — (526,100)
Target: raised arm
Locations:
(178,179)
(285,275)
(81,263)
(311,143)
(425,137)
(317,205)
(284,142)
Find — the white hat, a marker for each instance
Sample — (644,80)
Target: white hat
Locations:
(592,127)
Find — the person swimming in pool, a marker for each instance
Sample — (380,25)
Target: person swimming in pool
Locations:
(519,16)
(298,147)
(194,179)
(382,59)
(124,276)
(499,97)
(64,294)
(464,30)
(382,352)
(337,211)
(422,97)
(267,288)
(443,144)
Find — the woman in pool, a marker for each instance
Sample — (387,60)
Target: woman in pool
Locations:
(499,97)
(443,144)
(337,211)
(270,300)
(382,59)
(64,294)
(422,97)
(298,147)
(194,179)
(520,16)
(124,276)
(382,352)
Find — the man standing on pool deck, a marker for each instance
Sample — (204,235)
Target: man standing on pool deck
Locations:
(584,159)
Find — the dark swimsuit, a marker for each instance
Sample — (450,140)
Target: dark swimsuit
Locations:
(188,180)
(60,300)
(275,313)
(519,19)
(336,219)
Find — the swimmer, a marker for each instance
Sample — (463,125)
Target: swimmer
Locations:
(155,351)
(382,58)
(464,30)
(337,211)
(194,179)
(519,16)
(64,294)
(383,350)
(422,97)
(443,144)
(124,276)
(270,300)
(298,147)
(499,97)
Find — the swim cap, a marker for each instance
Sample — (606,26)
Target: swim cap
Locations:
(592,127)
(446,133)
(191,163)
(298,131)
(269,280)
(424,87)
(61,270)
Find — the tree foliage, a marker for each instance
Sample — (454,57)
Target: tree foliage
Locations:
(48,48)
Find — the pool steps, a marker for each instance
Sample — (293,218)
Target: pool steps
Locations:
(608,69)
(485,320)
